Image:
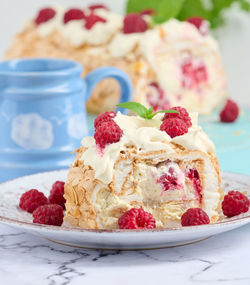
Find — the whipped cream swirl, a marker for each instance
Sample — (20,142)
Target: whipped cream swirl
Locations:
(145,135)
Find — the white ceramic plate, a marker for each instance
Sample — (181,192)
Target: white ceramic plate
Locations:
(11,215)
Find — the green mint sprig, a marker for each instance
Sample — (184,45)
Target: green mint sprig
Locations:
(183,9)
(142,111)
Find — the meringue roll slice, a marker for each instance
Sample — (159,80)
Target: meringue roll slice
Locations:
(146,168)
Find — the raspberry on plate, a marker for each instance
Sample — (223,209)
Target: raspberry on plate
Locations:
(183,115)
(45,15)
(104,117)
(235,203)
(56,194)
(194,217)
(201,24)
(51,214)
(174,127)
(92,19)
(31,200)
(230,112)
(136,219)
(107,133)
(134,23)
(73,14)
(97,6)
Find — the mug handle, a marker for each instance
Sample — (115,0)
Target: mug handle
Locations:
(94,77)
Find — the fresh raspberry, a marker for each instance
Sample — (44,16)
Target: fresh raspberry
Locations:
(92,19)
(134,23)
(183,115)
(230,112)
(51,214)
(32,199)
(148,12)
(235,203)
(97,6)
(174,127)
(107,133)
(194,217)
(156,97)
(56,194)
(45,15)
(73,14)
(104,117)
(136,219)
(201,24)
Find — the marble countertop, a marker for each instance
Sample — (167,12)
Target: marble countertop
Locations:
(31,260)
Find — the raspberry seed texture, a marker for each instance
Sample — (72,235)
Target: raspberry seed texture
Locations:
(51,214)
(183,115)
(104,117)
(235,203)
(136,219)
(194,217)
(174,127)
(31,200)
(107,133)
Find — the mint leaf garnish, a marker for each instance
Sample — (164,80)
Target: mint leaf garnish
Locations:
(183,9)
(165,9)
(135,107)
(192,8)
(142,111)
(168,9)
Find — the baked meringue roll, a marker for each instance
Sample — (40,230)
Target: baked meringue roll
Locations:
(144,167)
(169,64)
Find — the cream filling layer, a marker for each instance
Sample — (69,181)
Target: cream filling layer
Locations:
(165,207)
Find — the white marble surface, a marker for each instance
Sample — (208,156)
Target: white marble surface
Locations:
(30,260)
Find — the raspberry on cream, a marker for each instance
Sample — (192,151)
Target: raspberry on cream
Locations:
(73,14)
(146,136)
(45,15)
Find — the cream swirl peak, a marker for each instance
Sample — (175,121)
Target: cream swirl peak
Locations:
(145,135)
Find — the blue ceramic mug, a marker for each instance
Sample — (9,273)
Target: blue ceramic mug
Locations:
(42,115)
